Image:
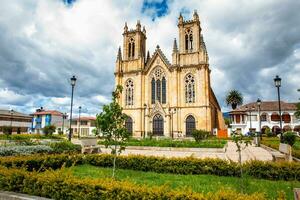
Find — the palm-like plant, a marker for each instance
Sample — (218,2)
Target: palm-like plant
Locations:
(297,113)
(234,98)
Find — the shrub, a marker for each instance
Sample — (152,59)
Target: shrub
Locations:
(7,130)
(289,138)
(28,137)
(24,150)
(200,135)
(49,130)
(258,169)
(62,185)
(268,132)
(65,146)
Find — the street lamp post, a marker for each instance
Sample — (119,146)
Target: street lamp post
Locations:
(73,82)
(277,81)
(144,132)
(79,110)
(63,123)
(11,118)
(258,102)
(172,112)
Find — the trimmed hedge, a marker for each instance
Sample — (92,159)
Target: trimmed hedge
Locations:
(62,185)
(24,150)
(257,169)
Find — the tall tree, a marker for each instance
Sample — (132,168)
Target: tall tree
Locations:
(110,122)
(234,98)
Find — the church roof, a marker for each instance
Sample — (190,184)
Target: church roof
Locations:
(158,52)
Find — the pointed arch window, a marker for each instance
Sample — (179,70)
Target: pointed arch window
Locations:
(190,125)
(128,124)
(163,88)
(158,86)
(129,88)
(191,41)
(153,91)
(131,48)
(188,40)
(158,90)
(189,89)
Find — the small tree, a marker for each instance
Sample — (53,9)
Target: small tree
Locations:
(234,98)
(241,143)
(7,130)
(49,129)
(200,135)
(290,139)
(297,113)
(111,123)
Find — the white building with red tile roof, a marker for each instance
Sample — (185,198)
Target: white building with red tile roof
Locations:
(42,118)
(246,117)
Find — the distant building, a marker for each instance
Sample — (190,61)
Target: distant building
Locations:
(19,122)
(84,127)
(245,118)
(42,118)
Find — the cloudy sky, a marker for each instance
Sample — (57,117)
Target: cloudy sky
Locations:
(44,42)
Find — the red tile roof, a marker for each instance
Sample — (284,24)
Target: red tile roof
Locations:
(88,118)
(49,112)
(266,106)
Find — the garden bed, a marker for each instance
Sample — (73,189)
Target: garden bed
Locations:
(196,183)
(274,142)
(209,143)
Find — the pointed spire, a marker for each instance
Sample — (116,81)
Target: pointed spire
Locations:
(138,25)
(119,57)
(175,49)
(125,27)
(195,15)
(144,30)
(180,19)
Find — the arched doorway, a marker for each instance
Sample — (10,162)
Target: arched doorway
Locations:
(276,129)
(286,117)
(190,125)
(158,125)
(287,128)
(297,128)
(128,124)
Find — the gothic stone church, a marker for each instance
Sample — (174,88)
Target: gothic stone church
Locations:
(167,99)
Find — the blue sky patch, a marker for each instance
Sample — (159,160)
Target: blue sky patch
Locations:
(155,8)
(69,2)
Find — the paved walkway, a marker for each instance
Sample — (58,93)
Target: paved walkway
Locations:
(230,153)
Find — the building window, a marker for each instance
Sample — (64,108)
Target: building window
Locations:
(189,89)
(158,87)
(153,91)
(158,125)
(128,124)
(131,48)
(84,123)
(129,92)
(188,40)
(158,91)
(263,117)
(163,86)
(190,125)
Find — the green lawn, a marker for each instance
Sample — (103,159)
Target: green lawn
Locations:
(273,142)
(198,183)
(209,143)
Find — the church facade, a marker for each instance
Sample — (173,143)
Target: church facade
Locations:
(163,98)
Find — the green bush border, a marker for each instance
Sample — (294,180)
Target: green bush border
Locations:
(62,185)
(256,169)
